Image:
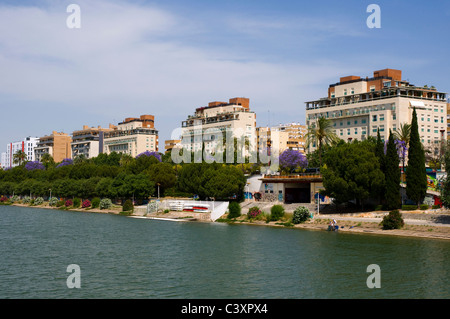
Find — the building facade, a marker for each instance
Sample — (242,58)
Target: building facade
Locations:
(359,107)
(132,136)
(57,145)
(212,123)
(27,145)
(88,142)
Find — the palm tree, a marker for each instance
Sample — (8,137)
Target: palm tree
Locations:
(321,133)
(19,157)
(403,134)
(47,160)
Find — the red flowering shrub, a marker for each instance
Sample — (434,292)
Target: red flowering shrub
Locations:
(68,203)
(86,203)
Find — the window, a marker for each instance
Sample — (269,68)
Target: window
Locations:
(348,122)
(381,117)
(372,88)
(356,130)
(363,121)
(353,91)
(348,131)
(374,118)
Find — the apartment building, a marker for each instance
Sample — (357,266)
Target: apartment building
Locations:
(27,146)
(270,137)
(132,136)
(448,120)
(57,145)
(203,128)
(88,141)
(359,107)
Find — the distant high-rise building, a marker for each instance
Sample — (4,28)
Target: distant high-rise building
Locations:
(201,129)
(133,136)
(57,145)
(359,107)
(27,146)
(88,141)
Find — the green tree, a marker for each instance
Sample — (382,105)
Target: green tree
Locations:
(392,175)
(321,133)
(352,172)
(416,177)
(47,160)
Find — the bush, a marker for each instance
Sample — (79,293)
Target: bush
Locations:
(393,220)
(276,212)
(14,199)
(26,200)
(76,202)
(3,199)
(234,210)
(409,207)
(301,215)
(105,203)
(253,212)
(424,207)
(95,202)
(436,206)
(38,201)
(60,203)
(68,203)
(86,203)
(128,206)
(53,201)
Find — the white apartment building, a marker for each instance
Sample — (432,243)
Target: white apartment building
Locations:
(204,127)
(87,142)
(358,107)
(27,146)
(133,136)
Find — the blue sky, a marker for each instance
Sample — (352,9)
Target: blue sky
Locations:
(167,58)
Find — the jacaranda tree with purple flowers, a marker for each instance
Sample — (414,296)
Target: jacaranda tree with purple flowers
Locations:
(31,166)
(148,154)
(292,160)
(65,162)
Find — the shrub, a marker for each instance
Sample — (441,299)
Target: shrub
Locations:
(234,210)
(436,206)
(128,206)
(76,202)
(424,207)
(276,212)
(68,203)
(105,203)
(38,201)
(95,202)
(393,220)
(14,199)
(26,200)
(53,201)
(253,212)
(3,199)
(301,215)
(60,203)
(86,203)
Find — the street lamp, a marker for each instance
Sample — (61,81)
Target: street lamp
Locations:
(158,189)
(50,194)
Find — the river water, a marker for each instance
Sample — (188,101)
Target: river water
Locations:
(122,257)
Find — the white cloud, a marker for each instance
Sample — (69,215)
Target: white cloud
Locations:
(128,60)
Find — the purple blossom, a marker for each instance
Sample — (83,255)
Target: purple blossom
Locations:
(401,148)
(148,153)
(31,166)
(292,159)
(65,162)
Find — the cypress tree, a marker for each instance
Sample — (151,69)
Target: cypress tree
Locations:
(416,176)
(379,153)
(392,175)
